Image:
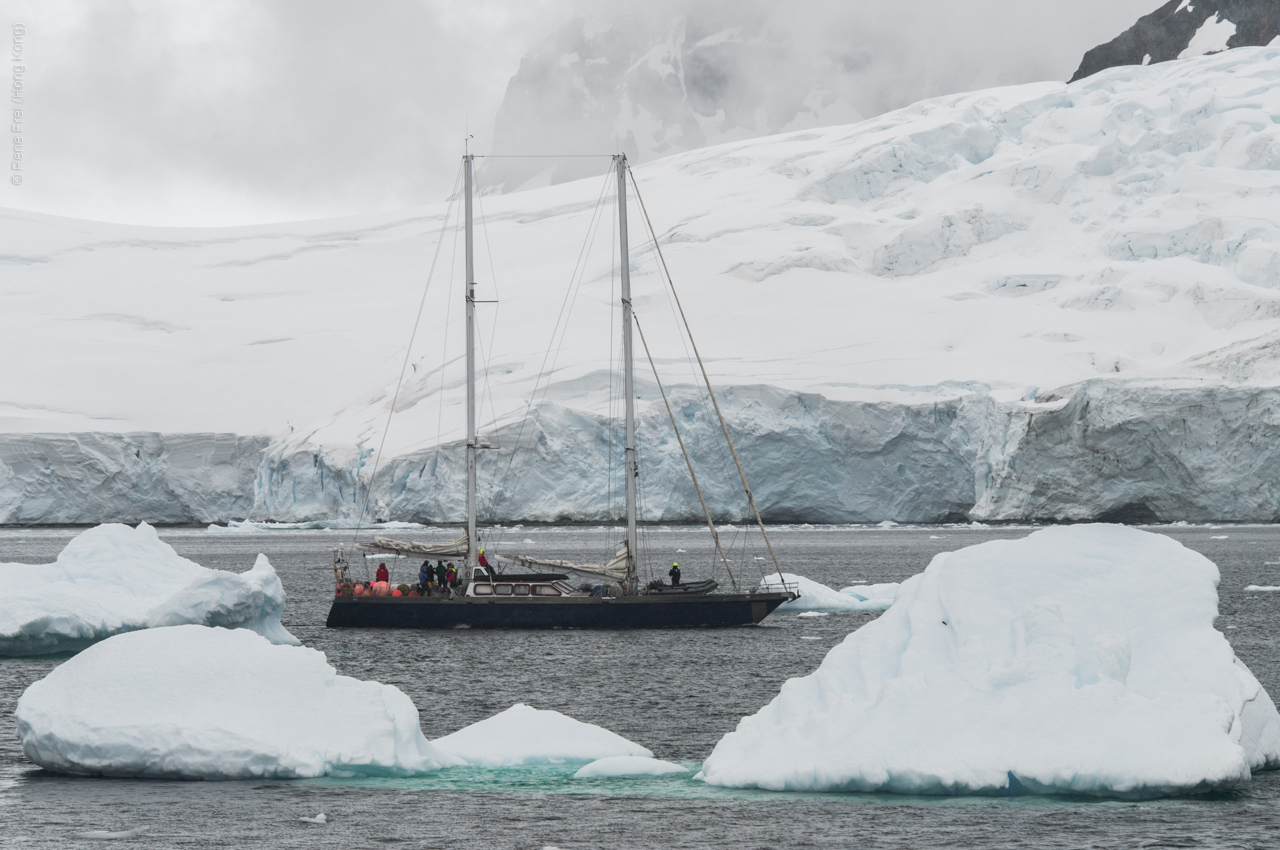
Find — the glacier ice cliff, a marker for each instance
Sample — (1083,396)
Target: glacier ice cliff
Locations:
(1047,301)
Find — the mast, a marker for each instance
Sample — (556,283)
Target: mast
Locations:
(472,541)
(628,381)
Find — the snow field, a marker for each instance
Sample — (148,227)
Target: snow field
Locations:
(113,578)
(1080,659)
(192,702)
(988,281)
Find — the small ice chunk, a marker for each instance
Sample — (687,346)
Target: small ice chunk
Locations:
(815,596)
(110,835)
(811,614)
(191,702)
(320,818)
(113,578)
(873,597)
(1265,588)
(627,766)
(525,735)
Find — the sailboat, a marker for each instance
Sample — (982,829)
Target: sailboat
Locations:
(553,596)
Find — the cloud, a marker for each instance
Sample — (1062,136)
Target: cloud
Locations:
(190,112)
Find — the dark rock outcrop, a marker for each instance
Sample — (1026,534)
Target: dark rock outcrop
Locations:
(1167,32)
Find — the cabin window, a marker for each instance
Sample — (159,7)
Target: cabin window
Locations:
(482,590)
(502,589)
(522,590)
(545,590)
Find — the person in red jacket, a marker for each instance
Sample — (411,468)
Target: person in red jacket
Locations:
(382,574)
(482,560)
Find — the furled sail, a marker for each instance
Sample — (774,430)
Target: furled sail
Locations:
(456,548)
(615,569)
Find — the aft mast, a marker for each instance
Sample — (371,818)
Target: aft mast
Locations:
(628,382)
(472,540)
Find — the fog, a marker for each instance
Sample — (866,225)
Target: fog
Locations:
(198,113)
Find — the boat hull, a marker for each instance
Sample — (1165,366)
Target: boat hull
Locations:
(626,612)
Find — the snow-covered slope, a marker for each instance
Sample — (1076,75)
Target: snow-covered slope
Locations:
(1040,301)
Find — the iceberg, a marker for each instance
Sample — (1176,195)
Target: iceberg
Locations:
(1077,660)
(628,766)
(523,735)
(191,702)
(815,596)
(872,597)
(113,578)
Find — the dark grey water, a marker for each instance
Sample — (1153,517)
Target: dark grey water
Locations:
(674,692)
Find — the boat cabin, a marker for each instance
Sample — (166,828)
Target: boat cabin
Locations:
(545,585)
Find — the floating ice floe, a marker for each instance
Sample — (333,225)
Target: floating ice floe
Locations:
(818,597)
(114,578)
(872,597)
(1079,659)
(251,527)
(191,702)
(1266,588)
(628,766)
(523,735)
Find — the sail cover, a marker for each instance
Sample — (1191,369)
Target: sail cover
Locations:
(456,548)
(615,569)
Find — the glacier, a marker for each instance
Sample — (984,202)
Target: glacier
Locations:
(113,579)
(523,735)
(1038,302)
(1077,660)
(192,702)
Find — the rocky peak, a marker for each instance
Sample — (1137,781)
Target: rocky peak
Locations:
(1182,29)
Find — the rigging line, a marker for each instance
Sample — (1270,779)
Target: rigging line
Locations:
(404,366)
(719,449)
(444,361)
(723,427)
(559,318)
(493,326)
(687,462)
(544,156)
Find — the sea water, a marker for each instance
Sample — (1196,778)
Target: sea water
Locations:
(676,692)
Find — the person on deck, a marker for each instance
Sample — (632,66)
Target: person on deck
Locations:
(424,576)
(440,574)
(451,575)
(482,560)
(674,572)
(382,574)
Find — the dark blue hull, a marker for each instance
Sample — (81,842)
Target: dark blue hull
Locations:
(626,612)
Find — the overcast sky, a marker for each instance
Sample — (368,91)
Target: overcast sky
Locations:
(196,112)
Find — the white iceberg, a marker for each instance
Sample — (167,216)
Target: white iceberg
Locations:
(815,596)
(192,702)
(614,766)
(113,578)
(872,597)
(522,735)
(1076,660)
